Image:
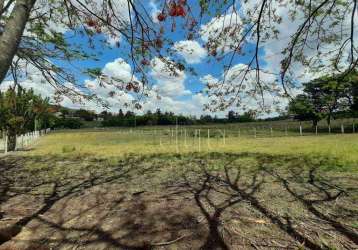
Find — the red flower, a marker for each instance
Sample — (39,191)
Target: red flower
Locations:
(158,43)
(129,86)
(180,11)
(161,17)
(173,10)
(91,22)
(145,62)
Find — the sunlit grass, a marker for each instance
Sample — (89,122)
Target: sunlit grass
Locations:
(113,143)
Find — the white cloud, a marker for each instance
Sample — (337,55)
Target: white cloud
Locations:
(240,91)
(168,101)
(169,79)
(154,10)
(118,69)
(223,32)
(288,26)
(191,51)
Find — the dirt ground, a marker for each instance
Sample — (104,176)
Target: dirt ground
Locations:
(216,201)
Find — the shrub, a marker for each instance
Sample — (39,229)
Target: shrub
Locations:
(69,123)
(68,149)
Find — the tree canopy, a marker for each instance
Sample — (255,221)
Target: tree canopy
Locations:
(34,32)
(22,111)
(325,96)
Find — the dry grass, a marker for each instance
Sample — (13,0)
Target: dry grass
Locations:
(115,190)
(113,143)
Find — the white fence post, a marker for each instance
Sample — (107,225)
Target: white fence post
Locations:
(342,128)
(354,127)
(208,138)
(5,143)
(176,138)
(199,142)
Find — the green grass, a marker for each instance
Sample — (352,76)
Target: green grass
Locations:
(119,143)
(283,183)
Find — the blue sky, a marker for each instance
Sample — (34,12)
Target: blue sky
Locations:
(181,94)
(193,84)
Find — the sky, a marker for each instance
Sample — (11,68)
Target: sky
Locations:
(182,93)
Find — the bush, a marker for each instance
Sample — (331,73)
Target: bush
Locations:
(68,149)
(69,123)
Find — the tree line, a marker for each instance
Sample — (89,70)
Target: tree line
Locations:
(21,110)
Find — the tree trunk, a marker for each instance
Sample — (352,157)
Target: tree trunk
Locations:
(315,123)
(11,37)
(11,141)
(329,120)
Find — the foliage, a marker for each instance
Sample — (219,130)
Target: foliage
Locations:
(246,117)
(304,110)
(21,110)
(85,114)
(168,118)
(320,25)
(326,96)
(68,123)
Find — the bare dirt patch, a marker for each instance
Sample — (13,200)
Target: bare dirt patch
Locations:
(215,201)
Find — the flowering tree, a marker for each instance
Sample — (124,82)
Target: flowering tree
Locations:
(32,32)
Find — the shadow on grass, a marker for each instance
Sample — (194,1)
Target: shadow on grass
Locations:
(292,201)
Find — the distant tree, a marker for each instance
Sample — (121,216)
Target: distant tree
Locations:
(304,110)
(129,114)
(64,112)
(120,113)
(322,98)
(351,91)
(231,116)
(354,104)
(68,123)
(248,116)
(206,119)
(85,114)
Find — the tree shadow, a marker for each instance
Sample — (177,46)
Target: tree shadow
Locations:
(18,183)
(217,201)
(240,186)
(326,192)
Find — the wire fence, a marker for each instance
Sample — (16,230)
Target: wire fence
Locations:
(206,137)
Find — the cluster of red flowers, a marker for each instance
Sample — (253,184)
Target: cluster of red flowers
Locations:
(132,86)
(174,9)
(94,24)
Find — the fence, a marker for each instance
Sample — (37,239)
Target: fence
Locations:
(200,138)
(23,141)
(254,130)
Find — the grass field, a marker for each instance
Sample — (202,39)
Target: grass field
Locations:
(104,144)
(153,189)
